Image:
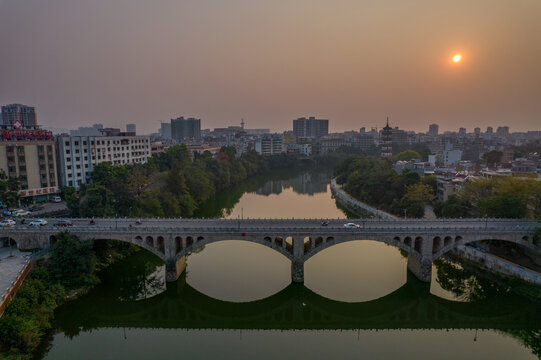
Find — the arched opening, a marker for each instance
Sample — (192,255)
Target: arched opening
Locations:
(278,241)
(52,240)
(267,239)
(178,244)
(407,241)
(200,238)
(329,240)
(437,244)
(418,244)
(396,238)
(525,238)
(319,241)
(189,241)
(289,241)
(307,244)
(447,241)
(458,239)
(149,241)
(161,244)
(138,239)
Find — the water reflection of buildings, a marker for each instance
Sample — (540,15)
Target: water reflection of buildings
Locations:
(307,183)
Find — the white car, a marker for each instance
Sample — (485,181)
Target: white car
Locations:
(351,225)
(38,222)
(56,199)
(20,212)
(7,223)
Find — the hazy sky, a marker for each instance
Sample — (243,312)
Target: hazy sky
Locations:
(354,62)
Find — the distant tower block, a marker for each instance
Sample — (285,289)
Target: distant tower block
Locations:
(387,140)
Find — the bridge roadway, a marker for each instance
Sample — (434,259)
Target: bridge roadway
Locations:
(297,239)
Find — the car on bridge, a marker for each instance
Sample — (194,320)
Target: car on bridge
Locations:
(38,222)
(62,223)
(7,223)
(352,225)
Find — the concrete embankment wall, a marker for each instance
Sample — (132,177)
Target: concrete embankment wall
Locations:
(341,194)
(9,293)
(497,264)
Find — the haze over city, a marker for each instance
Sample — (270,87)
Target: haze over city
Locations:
(126,61)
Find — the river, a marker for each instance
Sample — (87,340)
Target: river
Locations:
(236,300)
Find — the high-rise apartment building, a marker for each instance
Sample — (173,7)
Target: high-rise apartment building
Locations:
(165,130)
(310,128)
(185,129)
(433,129)
(130,128)
(19,116)
(270,144)
(502,131)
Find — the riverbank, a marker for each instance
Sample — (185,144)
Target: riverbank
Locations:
(27,318)
(356,204)
(508,271)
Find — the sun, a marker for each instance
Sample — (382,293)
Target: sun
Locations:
(457,58)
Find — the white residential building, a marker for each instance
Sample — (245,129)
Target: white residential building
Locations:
(270,144)
(77,155)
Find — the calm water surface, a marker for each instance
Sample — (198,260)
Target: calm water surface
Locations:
(236,300)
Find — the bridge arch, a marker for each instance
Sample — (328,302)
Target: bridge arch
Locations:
(524,241)
(278,244)
(395,241)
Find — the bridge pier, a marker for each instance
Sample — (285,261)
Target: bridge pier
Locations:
(173,269)
(297,271)
(422,269)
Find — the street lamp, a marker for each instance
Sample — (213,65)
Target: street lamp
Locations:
(405,213)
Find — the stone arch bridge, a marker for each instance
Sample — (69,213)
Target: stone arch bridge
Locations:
(296,239)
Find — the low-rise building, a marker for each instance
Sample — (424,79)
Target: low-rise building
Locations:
(78,155)
(303,149)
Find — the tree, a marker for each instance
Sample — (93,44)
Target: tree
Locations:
(503,206)
(493,157)
(72,261)
(455,207)
(407,155)
(9,190)
(415,199)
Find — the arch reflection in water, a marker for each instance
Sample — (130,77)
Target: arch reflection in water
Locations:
(237,270)
(296,307)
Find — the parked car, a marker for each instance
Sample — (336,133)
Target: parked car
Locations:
(36,208)
(7,223)
(352,225)
(62,223)
(324,223)
(56,199)
(38,222)
(20,212)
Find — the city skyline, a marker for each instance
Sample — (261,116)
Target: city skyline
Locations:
(126,62)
